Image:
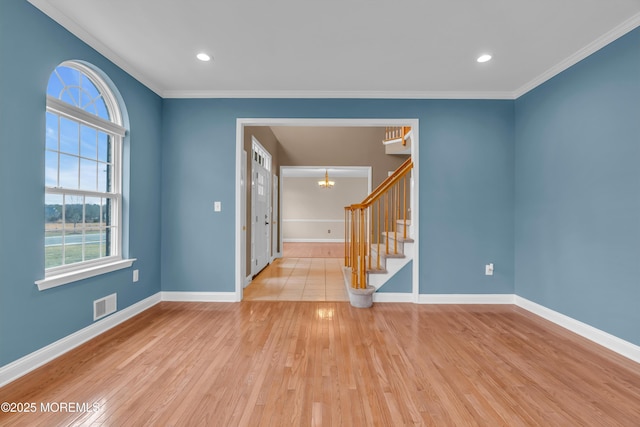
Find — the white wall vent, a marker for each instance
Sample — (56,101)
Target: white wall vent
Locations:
(105,306)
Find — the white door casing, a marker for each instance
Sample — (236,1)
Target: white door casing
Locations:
(241,123)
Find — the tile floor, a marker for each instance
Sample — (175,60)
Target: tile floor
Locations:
(299,279)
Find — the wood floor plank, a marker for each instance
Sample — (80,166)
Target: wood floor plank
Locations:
(326,363)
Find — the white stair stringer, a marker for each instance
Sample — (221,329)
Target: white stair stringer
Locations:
(393,265)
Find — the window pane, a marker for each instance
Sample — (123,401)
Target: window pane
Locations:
(103,147)
(92,212)
(101,108)
(78,157)
(52,249)
(53,230)
(52,131)
(51,169)
(104,172)
(71,95)
(69,133)
(88,142)
(88,94)
(88,175)
(72,248)
(92,250)
(53,211)
(73,213)
(94,240)
(89,89)
(69,76)
(69,168)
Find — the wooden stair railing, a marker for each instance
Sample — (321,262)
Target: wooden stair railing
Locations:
(378,215)
(396,134)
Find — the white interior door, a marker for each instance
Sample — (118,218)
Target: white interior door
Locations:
(260,208)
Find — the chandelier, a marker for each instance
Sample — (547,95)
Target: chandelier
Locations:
(325,183)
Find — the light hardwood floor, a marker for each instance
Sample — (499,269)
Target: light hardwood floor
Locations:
(271,363)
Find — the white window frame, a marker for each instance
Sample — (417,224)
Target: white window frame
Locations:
(60,275)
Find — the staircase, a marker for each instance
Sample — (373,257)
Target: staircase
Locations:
(392,258)
(378,240)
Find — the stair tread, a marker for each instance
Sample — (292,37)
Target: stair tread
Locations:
(385,254)
(399,238)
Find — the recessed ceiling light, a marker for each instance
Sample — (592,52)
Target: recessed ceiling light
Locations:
(484,58)
(203,57)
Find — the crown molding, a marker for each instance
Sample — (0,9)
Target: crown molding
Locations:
(619,31)
(54,13)
(79,31)
(329,94)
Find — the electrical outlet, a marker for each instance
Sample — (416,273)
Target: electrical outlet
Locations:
(136,275)
(488,269)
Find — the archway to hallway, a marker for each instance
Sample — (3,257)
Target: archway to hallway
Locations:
(322,126)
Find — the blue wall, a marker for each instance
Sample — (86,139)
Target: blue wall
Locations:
(577,210)
(466,187)
(545,187)
(31,46)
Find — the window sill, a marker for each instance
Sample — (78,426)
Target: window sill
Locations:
(85,273)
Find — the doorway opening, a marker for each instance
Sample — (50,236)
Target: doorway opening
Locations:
(324,163)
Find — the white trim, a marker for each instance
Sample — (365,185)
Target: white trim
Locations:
(28,363)
(341,94)
(34,360)
(393,297)
(81,116)
(465,298)
(312,240)
(581,54)
(60,275)
(342,122)
(83,273)
(54,13)
(177,296)
(613,343)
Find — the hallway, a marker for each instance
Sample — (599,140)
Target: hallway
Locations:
(301,276)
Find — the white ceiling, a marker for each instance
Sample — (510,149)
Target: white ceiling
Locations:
(344,48)
(318,172)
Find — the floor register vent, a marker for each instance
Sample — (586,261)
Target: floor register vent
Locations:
(104,306)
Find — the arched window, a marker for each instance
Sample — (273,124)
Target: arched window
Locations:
(83,174)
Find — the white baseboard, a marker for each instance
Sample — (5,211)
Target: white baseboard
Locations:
(39,357)
(34,360)
(466,299)
(393,297)
(618,345)
(199,296)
